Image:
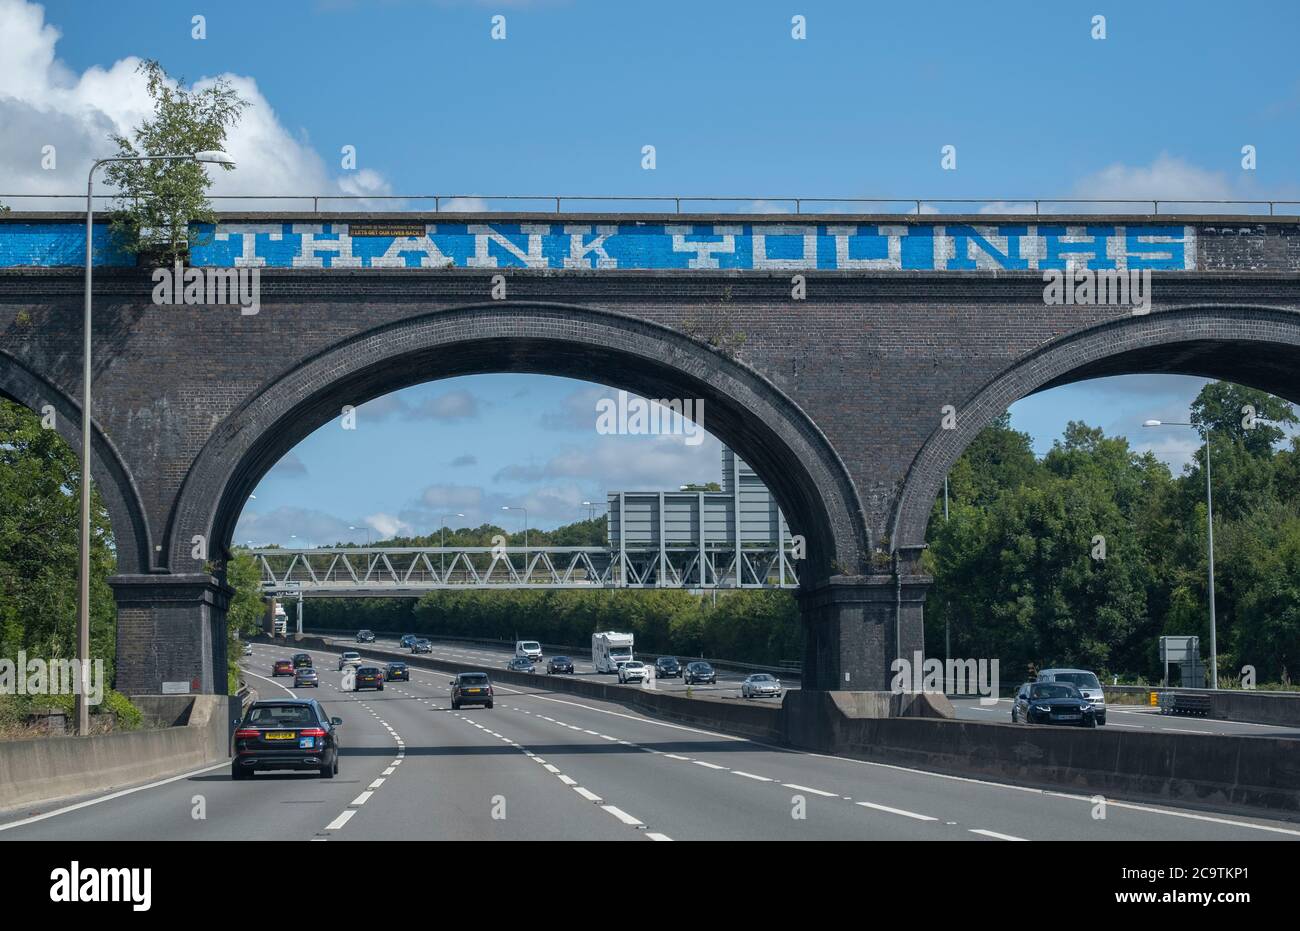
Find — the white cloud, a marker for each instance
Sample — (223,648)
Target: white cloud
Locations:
(386,525)
(627,463)
(312,527)
(42,102)
(1166,177)
(291,466)
(452,497)
(464,205)
(454,405)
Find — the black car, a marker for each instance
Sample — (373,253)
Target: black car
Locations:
(471,688)
(667,667)
(365,636)
(286,733)
(699,672)
(559,664)
(302,660)
(421,646)
(368,677)
(406,641)
(1052,703)
(397,671)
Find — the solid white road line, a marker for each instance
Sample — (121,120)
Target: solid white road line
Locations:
(897,811)
(995,834)
(109,797)
(621,815)
(341,820)
(799,788)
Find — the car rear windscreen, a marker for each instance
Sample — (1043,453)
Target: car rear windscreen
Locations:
(474,679)
(280,715)
(1083,680)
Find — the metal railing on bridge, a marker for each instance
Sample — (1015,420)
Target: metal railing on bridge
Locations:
(672,203)
(411,571)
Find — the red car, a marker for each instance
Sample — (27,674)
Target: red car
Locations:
(283,667)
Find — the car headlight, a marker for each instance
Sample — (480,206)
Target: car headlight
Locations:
(1044,708)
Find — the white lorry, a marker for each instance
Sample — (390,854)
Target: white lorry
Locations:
(609,650)
(280,623)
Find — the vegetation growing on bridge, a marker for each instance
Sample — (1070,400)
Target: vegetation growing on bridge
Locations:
(1015,574)
(159,200)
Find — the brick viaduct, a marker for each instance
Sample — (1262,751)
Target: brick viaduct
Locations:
(837,398)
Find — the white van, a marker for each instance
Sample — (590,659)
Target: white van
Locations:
(609,650)
(530,650)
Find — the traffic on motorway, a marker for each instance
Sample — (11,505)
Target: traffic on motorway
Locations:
(611,652)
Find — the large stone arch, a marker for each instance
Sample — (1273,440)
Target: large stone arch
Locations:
(1254,346)
(108,471)
(741,407)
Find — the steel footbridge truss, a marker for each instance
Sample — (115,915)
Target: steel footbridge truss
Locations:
(408,572)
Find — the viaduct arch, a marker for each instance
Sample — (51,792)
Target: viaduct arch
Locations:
(831,389)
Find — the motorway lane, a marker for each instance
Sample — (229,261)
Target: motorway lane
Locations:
(278,806)
(568,767)
(1137,717)
(496,657)
(406,771)
(691,784)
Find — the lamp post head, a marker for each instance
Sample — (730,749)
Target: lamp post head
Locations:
(214,157)
(1153,423)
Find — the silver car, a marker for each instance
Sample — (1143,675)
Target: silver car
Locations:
(350,658)
(760,685)
(1087,684)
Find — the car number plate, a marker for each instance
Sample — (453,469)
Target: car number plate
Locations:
(280,735)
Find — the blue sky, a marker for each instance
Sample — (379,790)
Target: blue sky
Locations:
(734,106)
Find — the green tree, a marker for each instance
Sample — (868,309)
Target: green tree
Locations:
(158,200)
(40,512)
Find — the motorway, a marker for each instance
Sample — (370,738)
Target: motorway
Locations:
(1137,717)
(495,657)
(549,766)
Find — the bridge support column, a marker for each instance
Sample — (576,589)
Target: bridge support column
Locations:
(171,629)
(855,626)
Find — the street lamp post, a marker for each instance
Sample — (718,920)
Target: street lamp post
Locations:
(1209,535)
(366,529)
(83,595)
(506,507)
(442,537)
(947,633)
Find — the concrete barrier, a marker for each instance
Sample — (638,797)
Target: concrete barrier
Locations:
(1244,705)
(1204,771)
(42,769)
